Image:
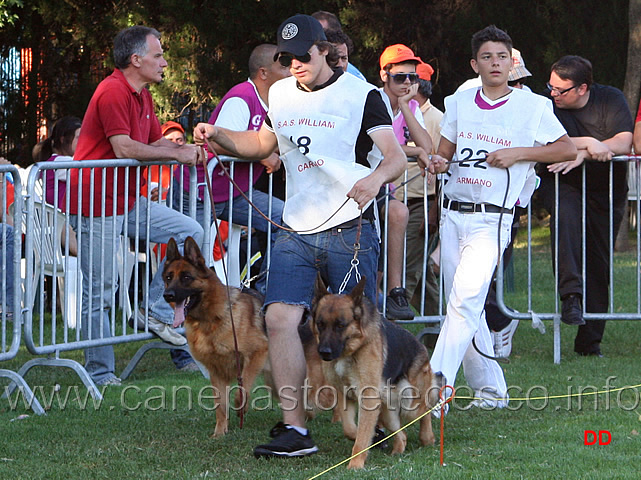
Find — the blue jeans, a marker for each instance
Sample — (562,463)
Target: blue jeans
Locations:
(101,275)
(296,259)
(6,277)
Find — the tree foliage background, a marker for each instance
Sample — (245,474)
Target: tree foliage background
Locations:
(207,45)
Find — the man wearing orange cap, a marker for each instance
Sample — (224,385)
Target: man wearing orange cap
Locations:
(400,84)
(157,184)
(173,131)
(415,239)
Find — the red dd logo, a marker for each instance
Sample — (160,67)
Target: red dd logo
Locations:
(590,437)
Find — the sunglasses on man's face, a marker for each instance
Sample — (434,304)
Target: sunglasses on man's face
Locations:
(286,59)
(401,77)
(518,81)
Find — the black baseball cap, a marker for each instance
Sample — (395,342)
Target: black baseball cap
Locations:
(297,34)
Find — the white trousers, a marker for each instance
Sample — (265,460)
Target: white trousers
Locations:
(469,254)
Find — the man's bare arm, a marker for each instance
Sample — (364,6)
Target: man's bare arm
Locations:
(248,144)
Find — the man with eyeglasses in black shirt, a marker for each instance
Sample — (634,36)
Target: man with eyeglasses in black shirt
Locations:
(598,120)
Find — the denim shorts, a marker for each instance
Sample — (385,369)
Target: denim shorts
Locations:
(296,259)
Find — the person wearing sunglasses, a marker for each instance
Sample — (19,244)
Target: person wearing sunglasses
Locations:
(599,122)
(400,84)
(324,122)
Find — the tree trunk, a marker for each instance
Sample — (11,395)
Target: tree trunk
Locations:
(631,92)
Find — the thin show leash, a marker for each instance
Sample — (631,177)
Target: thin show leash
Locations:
(239,370)
(354,262)
(242,194)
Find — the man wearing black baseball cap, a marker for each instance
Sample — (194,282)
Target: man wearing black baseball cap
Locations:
(298,34)
(325,124)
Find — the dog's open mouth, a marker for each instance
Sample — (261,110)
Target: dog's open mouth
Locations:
(182,308)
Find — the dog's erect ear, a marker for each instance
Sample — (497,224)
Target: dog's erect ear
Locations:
(172,251)
(192,253)
(320,289)
(357,292)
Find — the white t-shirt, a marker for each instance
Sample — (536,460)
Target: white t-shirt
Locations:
(234,114)
(478,125)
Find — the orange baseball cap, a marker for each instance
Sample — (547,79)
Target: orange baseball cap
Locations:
(424,71)
(170,125)
(398,53)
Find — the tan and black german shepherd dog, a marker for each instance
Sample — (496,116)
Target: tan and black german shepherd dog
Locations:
(200,301)
(374,365)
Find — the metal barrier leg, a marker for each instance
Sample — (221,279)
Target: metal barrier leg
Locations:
(557,339)
(434,329)
(156,346)
(60,362)
(19,382)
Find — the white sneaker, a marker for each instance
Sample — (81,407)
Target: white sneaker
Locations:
(112,381)
(442,410)
(163,330)
(503,340)
(483,403)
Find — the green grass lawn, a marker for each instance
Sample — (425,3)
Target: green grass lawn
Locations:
(140,431)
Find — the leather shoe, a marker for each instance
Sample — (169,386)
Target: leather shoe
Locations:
(572,310)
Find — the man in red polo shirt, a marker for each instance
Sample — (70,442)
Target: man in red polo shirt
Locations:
(120,122)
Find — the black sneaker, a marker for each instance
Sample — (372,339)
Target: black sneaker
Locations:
(379,434)
(593,353)
(286,442)
(398,308)
(572,310)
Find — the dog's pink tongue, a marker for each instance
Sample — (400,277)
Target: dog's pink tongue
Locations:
(179,314)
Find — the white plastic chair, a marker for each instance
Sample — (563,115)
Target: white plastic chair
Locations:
(48,226)
(231,257)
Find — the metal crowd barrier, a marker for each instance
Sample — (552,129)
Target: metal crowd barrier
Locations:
(614,275)
(44,226)
(10,308)
(46,336)
(551,311)
(46,256)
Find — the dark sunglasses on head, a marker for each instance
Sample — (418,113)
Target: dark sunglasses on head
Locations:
(286,59)
(401,77)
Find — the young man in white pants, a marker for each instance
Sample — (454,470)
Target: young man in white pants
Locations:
(496,145)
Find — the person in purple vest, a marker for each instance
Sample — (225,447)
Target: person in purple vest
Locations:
(243,108)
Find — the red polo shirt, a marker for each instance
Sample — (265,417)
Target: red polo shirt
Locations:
(115,109)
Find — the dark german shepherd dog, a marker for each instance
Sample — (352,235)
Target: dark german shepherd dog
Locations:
(200,301)
(375,365)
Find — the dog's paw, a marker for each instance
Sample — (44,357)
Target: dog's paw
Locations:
(358,462)
(400,442)
(219,432)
